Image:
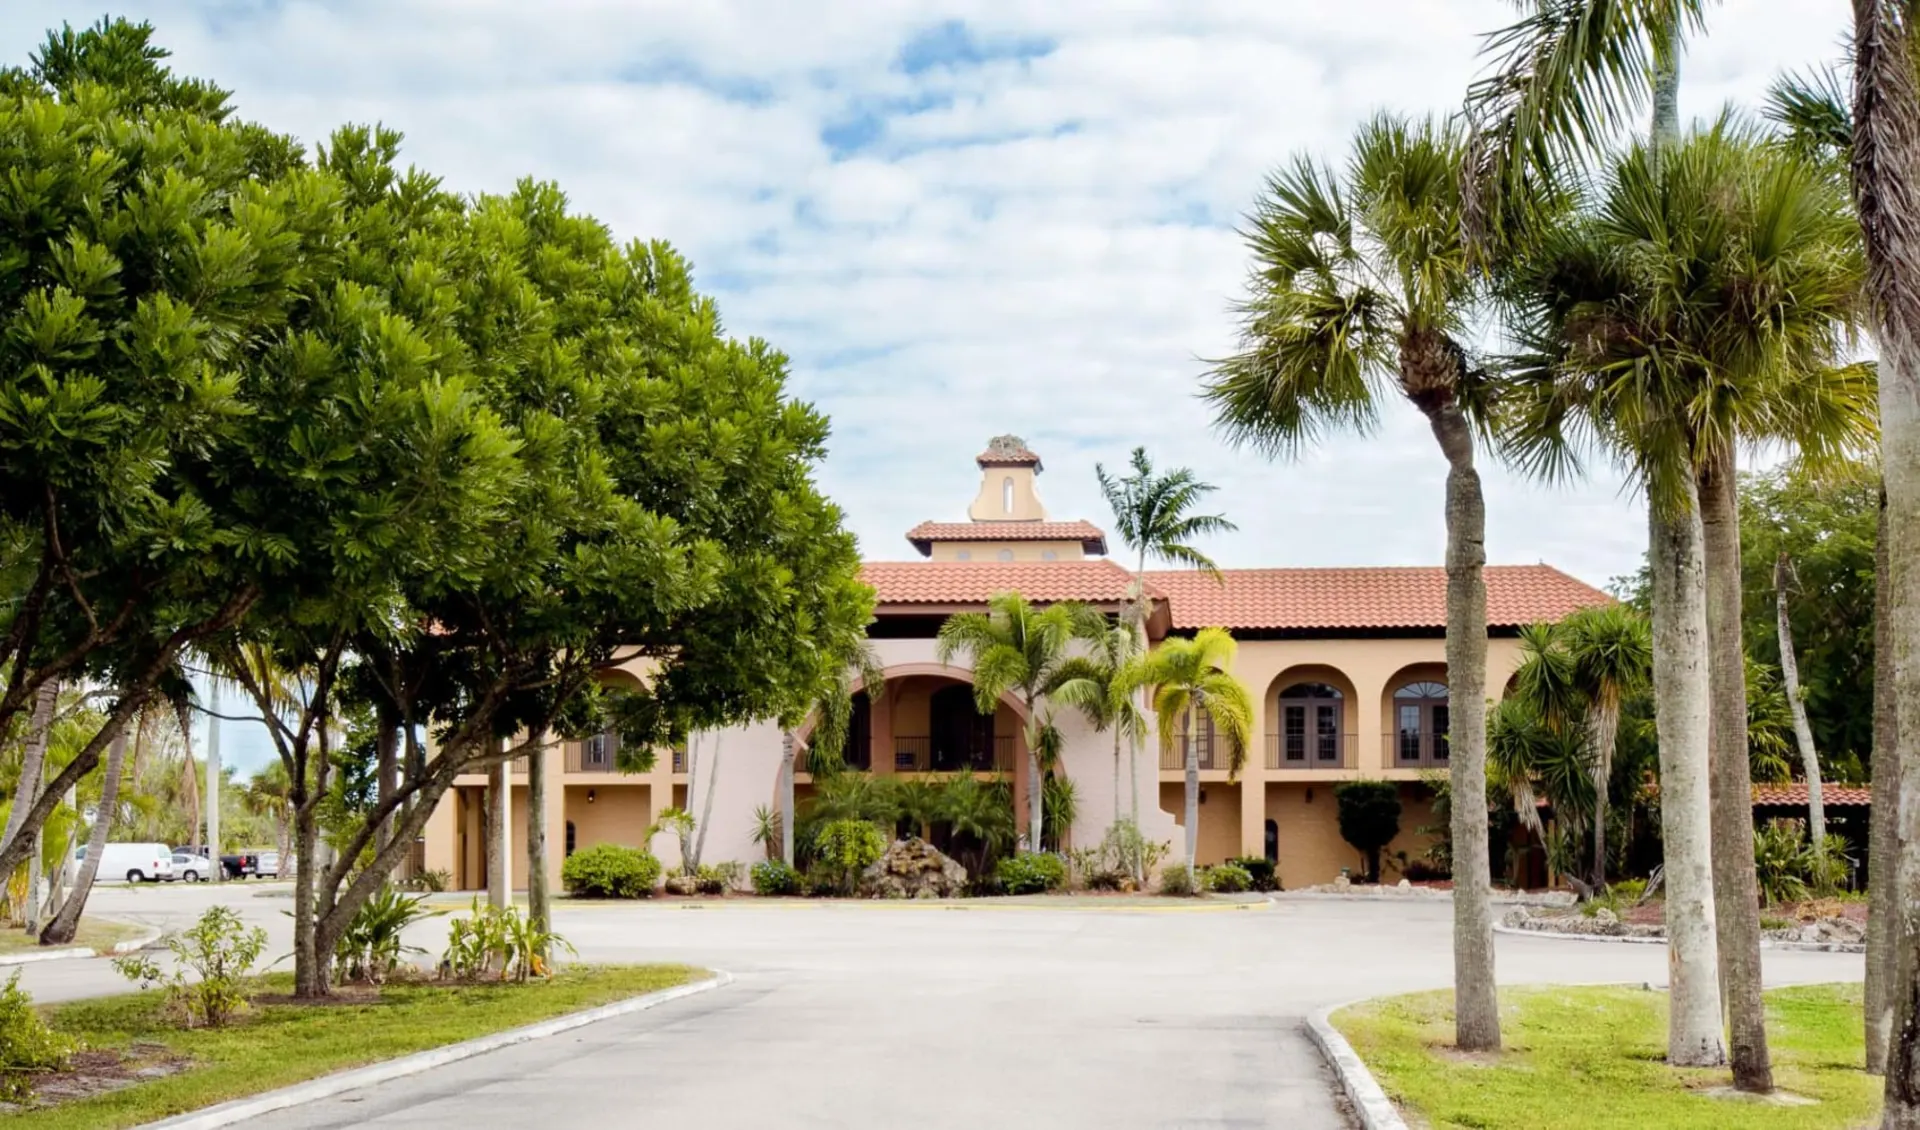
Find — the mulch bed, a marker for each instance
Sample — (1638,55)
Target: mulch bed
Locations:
(91,1073)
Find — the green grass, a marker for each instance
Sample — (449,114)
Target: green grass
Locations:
(1591,1058)
(275,1045)
(93,932)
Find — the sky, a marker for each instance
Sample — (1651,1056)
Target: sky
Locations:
(959,219)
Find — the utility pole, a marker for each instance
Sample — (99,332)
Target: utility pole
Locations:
(214,870)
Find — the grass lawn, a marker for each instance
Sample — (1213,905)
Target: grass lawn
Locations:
(93,932)
(1580,1058)
(278,1044)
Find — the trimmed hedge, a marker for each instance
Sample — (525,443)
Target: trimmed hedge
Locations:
(1032,873)
(610,871)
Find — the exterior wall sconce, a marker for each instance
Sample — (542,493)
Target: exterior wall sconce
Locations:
(589,796)
(1309,796)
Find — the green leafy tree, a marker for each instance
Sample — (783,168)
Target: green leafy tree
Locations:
(1192,681)
(1019,649)
(1369,817)
(1363,287)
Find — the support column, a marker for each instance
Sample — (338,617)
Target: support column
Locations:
(1253,786)
(500,833)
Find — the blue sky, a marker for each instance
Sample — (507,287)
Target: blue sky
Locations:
(958,219)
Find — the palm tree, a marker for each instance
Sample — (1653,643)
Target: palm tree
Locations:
(1362,283)
(1612,656)
(1193,680)
(1151,515)
(1699,302)
(66,922)
(829,740)
(1017,648)
(1101,686)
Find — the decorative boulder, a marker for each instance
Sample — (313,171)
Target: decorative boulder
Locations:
(913,869)
(1606,922)
(682,885)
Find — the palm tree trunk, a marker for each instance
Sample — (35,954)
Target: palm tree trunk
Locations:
(1603,729)
(386,746)
(1736,890)
(1035,786)
(66,923)
(706,807)
(33,759)
(1681,705)
(1116,773)
(786,799)
(1883,846)
(1193,797)
(499,834)
(310,963)
(1476,1005)
(1665,129)
(539,901)
(1802,732)
(1886,186)
(190,792)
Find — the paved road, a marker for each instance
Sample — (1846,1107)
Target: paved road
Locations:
(889,1016)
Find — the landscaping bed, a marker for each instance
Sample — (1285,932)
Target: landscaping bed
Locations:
(1840,923)
(139,1065)
(1593,1057)
(98,935)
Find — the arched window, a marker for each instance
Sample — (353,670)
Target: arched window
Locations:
(1312,731)
(1006,494)
(1420,724)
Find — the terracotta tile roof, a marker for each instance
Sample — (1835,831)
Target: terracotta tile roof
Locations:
(1091,537)
(1794,794)
(1364,598)
(1008,451)
(972,582)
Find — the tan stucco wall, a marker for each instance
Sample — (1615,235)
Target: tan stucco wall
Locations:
(1311,850)
(990,504)
(619,814)
(987,549)
(1219,820)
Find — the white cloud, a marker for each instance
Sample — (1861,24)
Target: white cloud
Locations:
(1039,242)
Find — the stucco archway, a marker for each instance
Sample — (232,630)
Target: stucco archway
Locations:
(1301,702)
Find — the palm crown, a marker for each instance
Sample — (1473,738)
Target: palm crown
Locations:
(1150,512)
(1197,674)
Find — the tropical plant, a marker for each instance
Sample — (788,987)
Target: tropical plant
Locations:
(1193,680)
(1104,686)
(1031,873)
(1769,725)
(1060,807)
(28,1046)
(1780,859)
(769,831)
(827,748)
(610,871)
(1152,516)
(678,823)
(1017,648)
(1612,656)
(498,943)
(1177,880)
(978,815)
(718,878)
(205,981)
(433,880)
(775,877)
(1532,758)
(1261,871)
(845,849)
(1228,878)
(372,947)
(1369,818)
(1362,283)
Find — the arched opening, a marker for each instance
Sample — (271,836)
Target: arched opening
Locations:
(1420,723)
(1006,494)
(1312,726)
(959,736)
(1273,841)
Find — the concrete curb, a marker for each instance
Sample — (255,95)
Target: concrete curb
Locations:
(1765,943)
(241,1110)
(1370,1104)
(64,953)
(1377,894)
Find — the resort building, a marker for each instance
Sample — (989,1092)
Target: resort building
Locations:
(1346,667)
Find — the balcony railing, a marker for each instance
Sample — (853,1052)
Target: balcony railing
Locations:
(916,753)
(1176,758)
(590,757)
(1431,751)
(1312,751)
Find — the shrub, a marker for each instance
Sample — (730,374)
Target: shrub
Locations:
(370,948)
(495,942)
(1781,860)
(1228,878)
(210,960)
(1032,873)
(27,1046)
(610,871)
(774,877)
(846,848)
(1424,871)
(433,881)
(1369,818)
(717,878)
(1260,870)
(1830,872)
(1176,879)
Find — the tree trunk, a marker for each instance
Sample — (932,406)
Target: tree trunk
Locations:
(1886,185)
(1193,797)
(190,782)
(1603,729)
(1681,705)
(386,752)
(34,757)
(1665,128)
(706,807)
(1476,1011)
(1802,732)
(500,834)
(212,840)
(786,799)
(1116,772)
(539,907)
(1736,890)
(1035,786)
(1883,847)
(66,923)
(310,962)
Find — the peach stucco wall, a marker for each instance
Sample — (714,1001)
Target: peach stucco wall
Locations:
(1219,810)
(987,549)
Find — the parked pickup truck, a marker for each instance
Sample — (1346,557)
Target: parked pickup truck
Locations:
(242,865)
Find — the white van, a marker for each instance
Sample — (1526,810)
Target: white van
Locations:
(136,863)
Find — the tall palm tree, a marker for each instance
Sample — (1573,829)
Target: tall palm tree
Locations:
(1102,685)
(1612,656)
(66,922)
(1699,302)
(1017,648)
(1362,284)
(1152,514)
(1193,679)
(829,740)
